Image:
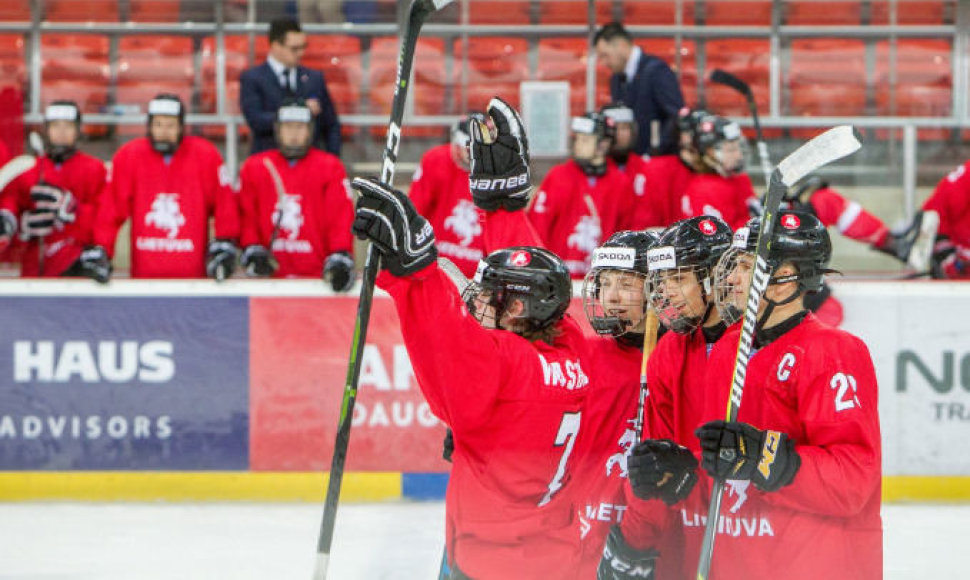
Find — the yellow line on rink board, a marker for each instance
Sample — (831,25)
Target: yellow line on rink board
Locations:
(925,488)
(193,486)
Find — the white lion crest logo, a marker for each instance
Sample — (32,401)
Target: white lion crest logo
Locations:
(626,442)
(586,236)
(290,215)
(166,214)
(464,222)
(739,489)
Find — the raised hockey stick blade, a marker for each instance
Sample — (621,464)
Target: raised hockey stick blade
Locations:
(727,79)
(418,13)
(829,146)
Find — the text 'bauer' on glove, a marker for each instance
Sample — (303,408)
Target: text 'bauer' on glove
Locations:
(739,451)
(660,468)
(499,174)
(388,219)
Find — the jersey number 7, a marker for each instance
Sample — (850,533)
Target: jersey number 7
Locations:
(568,429)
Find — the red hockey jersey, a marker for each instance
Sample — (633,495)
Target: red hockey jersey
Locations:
(725,197)
(951,199)
(574,213)
(515,408)
(659,183)
(82,175)
(440,193)
(314,215)
(169,201)
(818,385)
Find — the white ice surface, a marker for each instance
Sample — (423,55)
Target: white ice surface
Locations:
(401,540)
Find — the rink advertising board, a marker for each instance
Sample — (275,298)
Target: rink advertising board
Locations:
(183,390)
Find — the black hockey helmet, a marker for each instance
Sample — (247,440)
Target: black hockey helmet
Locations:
(61,110)
(624,251)
(689,247)
(799,238)
(711,134)
(170,105)
(533,275)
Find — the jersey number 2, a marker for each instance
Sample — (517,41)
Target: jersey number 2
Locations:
(568,429)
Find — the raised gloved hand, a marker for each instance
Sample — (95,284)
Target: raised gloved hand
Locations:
(95,264)
(60,202)
(499,175)
(220,260)
(387,218)
(739,451)
(256,261)
(339,271)
(622,562)
(660,468)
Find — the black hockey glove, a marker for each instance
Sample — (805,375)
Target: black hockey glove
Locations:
(448,445)
(8,225)
(739,451)
(220,260)
(499,175)
(660,468)
(258,262)
(94,264)
(621,562)
(387,218)
(338,270)
(53,199)
(36,223)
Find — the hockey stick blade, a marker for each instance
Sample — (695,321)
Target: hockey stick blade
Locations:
(725,78)
(418,12)
(830,146)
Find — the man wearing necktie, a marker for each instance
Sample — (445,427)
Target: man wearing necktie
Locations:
(645,84)
(264,87)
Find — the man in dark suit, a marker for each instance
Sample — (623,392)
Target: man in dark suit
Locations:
(264,87)
(645,84)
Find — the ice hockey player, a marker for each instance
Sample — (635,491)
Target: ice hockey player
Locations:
(52,206)
(912,246)
(440,191)
(512,388)
(662,468)
(803,460)
(721,188)
(296,206)
(951,201)
(584,200)
(170,184)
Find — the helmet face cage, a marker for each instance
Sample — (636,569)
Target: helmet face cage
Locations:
(732,278)
(614,300)
(680,297)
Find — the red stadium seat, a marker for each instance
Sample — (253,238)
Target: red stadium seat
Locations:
(573,12)
(499,12)
(822,12)
(75,57)
(657,11)
(742,13)
(13,68)
(926,12)
(429,77)
(237,55)
(81,10)
(820,60)
(493,59)
(154,10)
(15,10)
(565,59)
(151,57)
(338,57)
(918,61)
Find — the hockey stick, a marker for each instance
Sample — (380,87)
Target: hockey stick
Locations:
(649,342)
(37,146)
(280,200)
(725,78)
(418,13)
(822,150)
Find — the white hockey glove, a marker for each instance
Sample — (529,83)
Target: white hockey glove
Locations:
(387,218)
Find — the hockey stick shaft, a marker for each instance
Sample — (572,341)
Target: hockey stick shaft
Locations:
(418,12)
(822,150)
(725,78)
(649,343)
(37,146)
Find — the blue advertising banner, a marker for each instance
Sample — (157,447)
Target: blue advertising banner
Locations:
(124,383)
